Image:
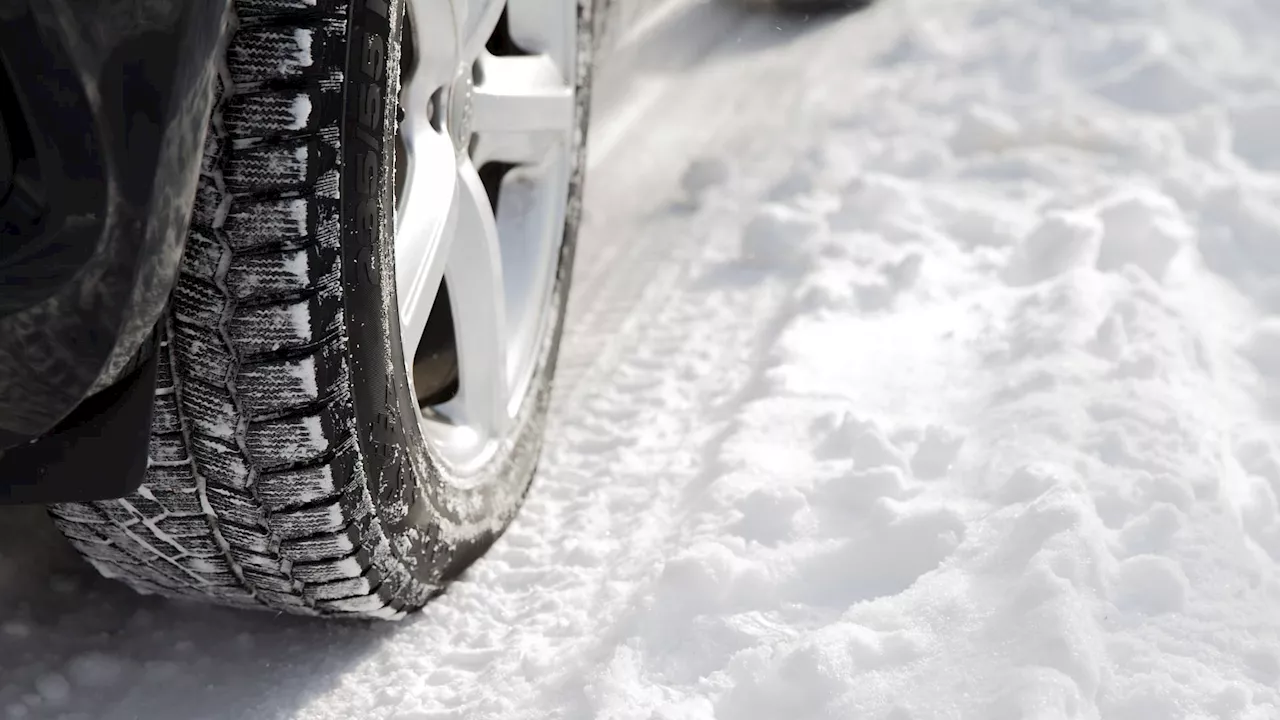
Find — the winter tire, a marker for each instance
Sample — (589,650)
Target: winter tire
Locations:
(356,363)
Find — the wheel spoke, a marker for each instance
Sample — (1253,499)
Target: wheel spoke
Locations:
(543,30)
(464,108)
(479,20)
(437,40)
(477,294)
(530,226)
(522,93)
(521,108)
(426,222)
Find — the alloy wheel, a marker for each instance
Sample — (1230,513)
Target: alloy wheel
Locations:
(484,153)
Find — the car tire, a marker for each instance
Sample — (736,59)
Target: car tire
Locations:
(807,7)
(289,466)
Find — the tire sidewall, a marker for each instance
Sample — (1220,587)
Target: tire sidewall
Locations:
(436,527)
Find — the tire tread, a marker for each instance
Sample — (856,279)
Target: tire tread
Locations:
(243,502)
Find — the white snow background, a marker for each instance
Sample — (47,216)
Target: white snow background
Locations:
(924,363)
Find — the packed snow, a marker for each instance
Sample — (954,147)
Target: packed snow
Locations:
(924,363)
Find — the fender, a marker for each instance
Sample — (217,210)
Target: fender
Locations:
(104,106)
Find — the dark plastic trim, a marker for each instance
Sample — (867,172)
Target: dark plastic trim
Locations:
(115,97)
(97,452)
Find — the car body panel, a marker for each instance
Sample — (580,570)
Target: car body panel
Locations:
(112,98)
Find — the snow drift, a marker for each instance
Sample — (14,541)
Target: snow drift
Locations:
(925,364)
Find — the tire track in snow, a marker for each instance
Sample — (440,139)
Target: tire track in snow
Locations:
(665,337)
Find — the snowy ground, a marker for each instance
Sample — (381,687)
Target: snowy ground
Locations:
(925,364)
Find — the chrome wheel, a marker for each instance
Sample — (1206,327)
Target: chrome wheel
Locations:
(484,156)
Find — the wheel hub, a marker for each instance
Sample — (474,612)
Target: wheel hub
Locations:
(459,102)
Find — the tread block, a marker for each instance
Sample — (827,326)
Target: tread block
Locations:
(164,413)
(254,9)
(294,440)
(281,326)
(330,546)
(178,528)
(166,448)
(110,553)
(288,272)
(164,368)
(327,184)
(291,164)
(202,255)
(218,579)
(167,482)
(345,587)
(276,386)
(267,580)
(178,497)
(296,603)
(242,537)
(281,490)
(155,545)
(201,353)
(210,411)
(235,507)
(203,547)
(265,53)
(325,519)
(220,464)
(398,585)
(82,533)
(277,111)
(252,224)
(210,566)
(126,551)
(368,605)
(77,512)
(118,515)
(196,302)
(165,575)
(142,506)
(262,565)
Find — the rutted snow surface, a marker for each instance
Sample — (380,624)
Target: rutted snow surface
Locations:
(942,384)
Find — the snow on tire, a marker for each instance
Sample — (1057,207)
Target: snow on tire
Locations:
(287,468)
